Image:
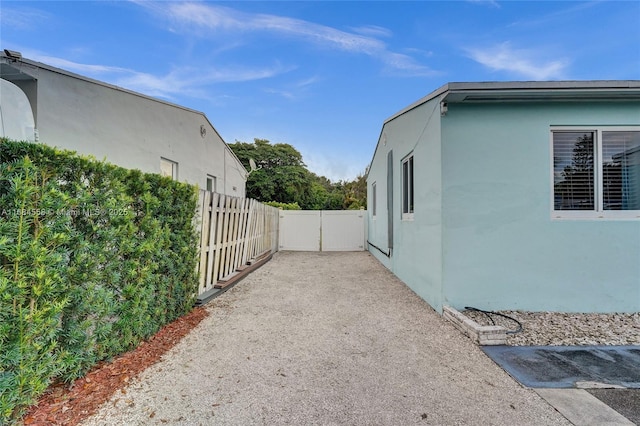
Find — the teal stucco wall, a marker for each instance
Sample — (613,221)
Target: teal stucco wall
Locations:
(502,248)
(483,234)
(417,253)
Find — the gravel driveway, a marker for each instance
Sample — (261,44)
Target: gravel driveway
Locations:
(324,339)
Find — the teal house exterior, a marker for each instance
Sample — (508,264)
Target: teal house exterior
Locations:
(513,196)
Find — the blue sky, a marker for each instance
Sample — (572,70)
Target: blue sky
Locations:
(321,75)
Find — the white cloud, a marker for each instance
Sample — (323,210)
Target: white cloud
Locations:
(406,64)
(210,19)
(421,52)
(294,90)
(23,18)
(158,86)
(75,66)
(185,80)
(282,93)
(214,17)
(522,62)
(333,167)
(373,30)
(307,82)
(188,81)
(558,17)
(490,3)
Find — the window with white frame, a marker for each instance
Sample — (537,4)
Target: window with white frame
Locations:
(211,183)
(169,168)
(374,199)
(596,172)
(407,188)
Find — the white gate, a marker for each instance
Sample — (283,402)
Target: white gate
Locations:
(322,230)
(300,230)
(343,230)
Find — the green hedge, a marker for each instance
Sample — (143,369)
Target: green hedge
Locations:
(284,206)
(94,259)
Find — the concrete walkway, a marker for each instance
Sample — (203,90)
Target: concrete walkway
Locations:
(325,339)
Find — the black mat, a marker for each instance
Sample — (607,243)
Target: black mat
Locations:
(563,366)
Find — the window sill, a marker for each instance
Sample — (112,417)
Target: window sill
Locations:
(407,217)
(566,215)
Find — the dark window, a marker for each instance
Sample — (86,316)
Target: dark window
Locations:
(407,187)
(374,201)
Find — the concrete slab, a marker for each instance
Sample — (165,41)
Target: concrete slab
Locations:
(624,401)
(581,408)
(566,366)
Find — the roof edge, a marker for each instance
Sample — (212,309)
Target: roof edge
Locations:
(61,71)
(506,91)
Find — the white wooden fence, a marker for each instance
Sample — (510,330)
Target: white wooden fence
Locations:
(322,230)
(233,233)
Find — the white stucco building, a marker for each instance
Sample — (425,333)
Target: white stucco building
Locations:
(126,128)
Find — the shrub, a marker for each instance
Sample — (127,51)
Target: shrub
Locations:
(94,258)
(284,206)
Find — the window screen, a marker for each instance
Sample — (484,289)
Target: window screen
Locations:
(597,170)
(573,170)
(621,170)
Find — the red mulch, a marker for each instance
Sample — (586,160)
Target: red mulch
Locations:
(69,404)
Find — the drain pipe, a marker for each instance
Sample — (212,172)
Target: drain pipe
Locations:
(386,253)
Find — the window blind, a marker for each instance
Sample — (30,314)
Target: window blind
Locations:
(621,170)
(573,170)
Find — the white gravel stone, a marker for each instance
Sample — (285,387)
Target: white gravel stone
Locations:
(324,339)
(566,329)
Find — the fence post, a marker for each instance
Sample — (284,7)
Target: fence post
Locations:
(202,225)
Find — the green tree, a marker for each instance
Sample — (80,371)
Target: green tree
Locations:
(355,193)
(282,177)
